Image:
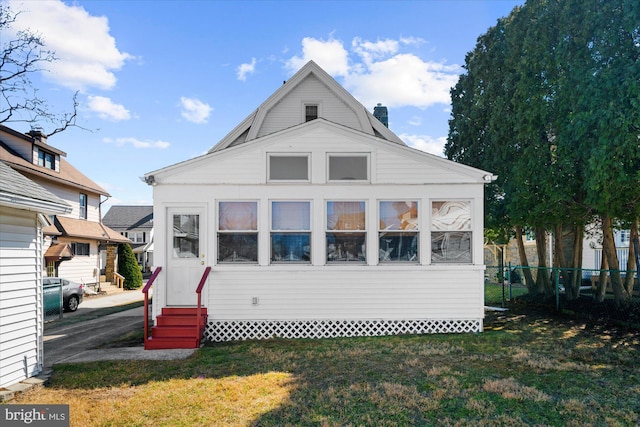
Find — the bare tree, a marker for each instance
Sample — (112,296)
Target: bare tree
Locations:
(22,56)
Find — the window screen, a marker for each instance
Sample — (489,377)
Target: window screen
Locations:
(348,168)
(288,168)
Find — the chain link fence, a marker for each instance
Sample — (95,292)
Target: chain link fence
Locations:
(590,294)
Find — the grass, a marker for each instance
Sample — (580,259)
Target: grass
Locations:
(523,370)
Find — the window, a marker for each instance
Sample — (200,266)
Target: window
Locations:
(346,232)
(288,167)
(238,232)
(186,236)
(80,249)
(625,237)
(135,236)
(83,206)
(348,167)
(451,232)
(46,159)
(310,112)
(529,235)
(291,232)
(398,233)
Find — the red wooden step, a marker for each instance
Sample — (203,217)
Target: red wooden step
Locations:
(182,311)
(176,328)
(180,320)
(175,332)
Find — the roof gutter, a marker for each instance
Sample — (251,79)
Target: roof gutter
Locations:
(21,202)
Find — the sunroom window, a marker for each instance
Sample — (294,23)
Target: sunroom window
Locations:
(290,232)
(292,167)
(346,232)
(238,232)
(348,167)
(451,232)
(398,231)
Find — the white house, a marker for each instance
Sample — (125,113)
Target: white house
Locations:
(73,240)
(23,209)
(318,221)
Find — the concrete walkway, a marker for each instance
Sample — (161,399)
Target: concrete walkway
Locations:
(76,342)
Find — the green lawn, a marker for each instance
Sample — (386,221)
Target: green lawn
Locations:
(523,370)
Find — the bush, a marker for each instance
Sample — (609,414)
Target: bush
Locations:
(128,267)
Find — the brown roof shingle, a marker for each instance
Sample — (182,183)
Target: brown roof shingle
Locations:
(88,230)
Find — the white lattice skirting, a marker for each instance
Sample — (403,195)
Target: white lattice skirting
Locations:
(234,330)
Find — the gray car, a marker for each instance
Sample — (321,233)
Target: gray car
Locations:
(72,292)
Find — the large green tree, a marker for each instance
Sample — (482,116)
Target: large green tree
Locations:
(550,101)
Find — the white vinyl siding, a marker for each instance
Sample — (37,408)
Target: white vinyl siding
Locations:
(289,111)
(347,293)
(81,269)
(20,296)
(72,197)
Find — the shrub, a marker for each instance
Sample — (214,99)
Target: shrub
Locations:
(128,267)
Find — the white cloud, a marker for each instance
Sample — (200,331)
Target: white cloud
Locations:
(245,69)
(330,55)
(370,51)
(425,143)
(87,53)
(404,80)
(107,110)
(136,143)
(384,73)
(195,110)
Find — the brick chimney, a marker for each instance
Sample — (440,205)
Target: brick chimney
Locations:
(380,112)
(38,135)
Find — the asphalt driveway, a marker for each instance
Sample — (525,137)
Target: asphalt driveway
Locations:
(66,342)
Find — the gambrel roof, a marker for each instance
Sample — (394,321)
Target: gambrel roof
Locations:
(281,118)
(311,84)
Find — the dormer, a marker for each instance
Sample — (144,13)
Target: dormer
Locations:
(44,155)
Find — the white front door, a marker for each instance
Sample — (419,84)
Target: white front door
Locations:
(186,229)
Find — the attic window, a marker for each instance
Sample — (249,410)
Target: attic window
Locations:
(46,159)
(310,112)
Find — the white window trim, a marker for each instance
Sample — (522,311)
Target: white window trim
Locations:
(418,231)
(367,237)
(303,112)
(256,231)
(348,154)
(309,231)
(472,230)
(276,154)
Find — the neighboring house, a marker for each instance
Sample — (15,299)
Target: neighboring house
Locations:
(318,221)
(71,248)
(135,223)
(591,250)
(23,209)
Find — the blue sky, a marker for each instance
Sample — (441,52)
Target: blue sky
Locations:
(160,82)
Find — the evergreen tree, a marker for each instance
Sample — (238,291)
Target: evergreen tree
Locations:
(128,267)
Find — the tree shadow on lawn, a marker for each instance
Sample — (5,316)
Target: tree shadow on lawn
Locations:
(541,363)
